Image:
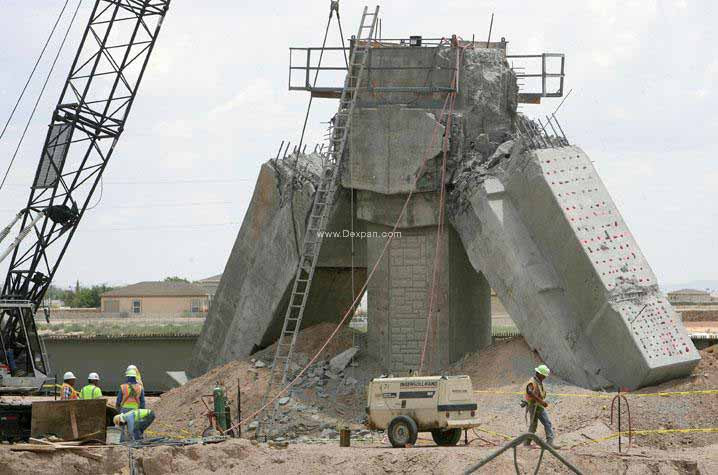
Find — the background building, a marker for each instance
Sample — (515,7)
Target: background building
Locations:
(690,296)
(157,299)
(210,284)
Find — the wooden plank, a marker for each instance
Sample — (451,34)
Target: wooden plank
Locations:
(41,441)
(73,423)
(31,448)
(69,420)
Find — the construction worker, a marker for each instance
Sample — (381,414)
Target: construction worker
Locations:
(137,372)
(92,389)
(67,391)
(131,394)
(535,403)
(134,423)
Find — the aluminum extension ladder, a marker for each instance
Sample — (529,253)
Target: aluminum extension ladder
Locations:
(319,215)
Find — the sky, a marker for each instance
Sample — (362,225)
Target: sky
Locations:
(214,105)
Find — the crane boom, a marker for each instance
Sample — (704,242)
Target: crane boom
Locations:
(85,126)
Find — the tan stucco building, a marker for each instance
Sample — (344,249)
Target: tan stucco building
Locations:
(157,299)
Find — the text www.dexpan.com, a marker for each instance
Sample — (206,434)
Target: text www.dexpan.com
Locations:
(346,233)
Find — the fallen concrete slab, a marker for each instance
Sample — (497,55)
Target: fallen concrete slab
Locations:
(543,229)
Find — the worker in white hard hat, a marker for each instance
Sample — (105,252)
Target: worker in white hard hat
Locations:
(134,423)
(131,394)
(535,404)
(92,389)
(67,391)
(138,375)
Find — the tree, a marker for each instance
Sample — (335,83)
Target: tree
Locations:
(85,297)
(176,279)
(55,293)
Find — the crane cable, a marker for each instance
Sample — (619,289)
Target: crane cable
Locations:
(34,68)
(334,6)
(42,91)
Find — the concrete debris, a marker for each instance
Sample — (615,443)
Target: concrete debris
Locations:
(342,360)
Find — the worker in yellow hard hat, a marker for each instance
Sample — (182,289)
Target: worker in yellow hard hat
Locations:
(535,404)
(138,375)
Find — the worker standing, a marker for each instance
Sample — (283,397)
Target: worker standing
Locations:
(535,398)
(135,423)
(92,389)
(67,391)
(131,394)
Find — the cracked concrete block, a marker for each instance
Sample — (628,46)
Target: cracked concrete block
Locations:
(557,252)
(383,157)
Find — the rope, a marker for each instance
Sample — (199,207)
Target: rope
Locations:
(442,202)
(34,109)
(34,68)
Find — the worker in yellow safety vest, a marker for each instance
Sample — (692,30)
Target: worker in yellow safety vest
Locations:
(535,404)
(134,423)
(92,389)
(131,394)
(67,391)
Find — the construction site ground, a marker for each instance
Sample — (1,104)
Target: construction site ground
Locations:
(675,424)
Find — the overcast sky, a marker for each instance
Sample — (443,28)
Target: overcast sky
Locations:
(214,105)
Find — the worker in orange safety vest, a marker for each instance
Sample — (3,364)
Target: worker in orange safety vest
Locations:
(131,394)
(68,391)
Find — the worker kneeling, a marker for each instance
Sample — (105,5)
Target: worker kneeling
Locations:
(134,423)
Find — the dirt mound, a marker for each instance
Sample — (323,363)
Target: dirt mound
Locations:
(311,339)
(509,361)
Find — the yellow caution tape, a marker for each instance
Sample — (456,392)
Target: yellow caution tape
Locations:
(611,396)
(164,434)
(674,393)
(669,431)
(497,434)
(185,432)
(615,435)
(519,393)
